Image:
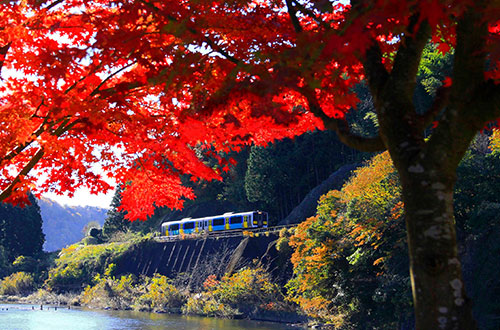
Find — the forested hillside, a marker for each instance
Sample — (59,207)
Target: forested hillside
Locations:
(64,225)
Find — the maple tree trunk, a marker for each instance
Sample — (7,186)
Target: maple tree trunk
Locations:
(438,289)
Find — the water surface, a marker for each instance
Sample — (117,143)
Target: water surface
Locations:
(23,317)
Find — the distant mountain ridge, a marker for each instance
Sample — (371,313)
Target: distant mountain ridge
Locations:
(63,224)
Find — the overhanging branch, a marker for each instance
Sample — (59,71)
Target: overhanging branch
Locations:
(366,144)
(341,127)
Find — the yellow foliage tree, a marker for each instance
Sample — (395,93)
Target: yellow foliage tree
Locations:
(343,261)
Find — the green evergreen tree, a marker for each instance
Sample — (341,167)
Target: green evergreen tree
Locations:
(115,218)
(261,176)
(21,229)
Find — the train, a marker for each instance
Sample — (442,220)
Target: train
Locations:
(226,221)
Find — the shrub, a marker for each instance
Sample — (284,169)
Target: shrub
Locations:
(42,296)
(160,295)
(282,244)
(17,284)
(244,291)
(205,304)
(109,292)
(247,286)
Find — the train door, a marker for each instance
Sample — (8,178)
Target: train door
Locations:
(203,224)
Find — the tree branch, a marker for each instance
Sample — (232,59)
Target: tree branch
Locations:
(405,67)
(55,3)
(375,71)
(65,126)
(309,13)
(221,51)
(20,148)
(28,167)
(471,97)
(341,127)
(292,12)
(366,144)
(96,90)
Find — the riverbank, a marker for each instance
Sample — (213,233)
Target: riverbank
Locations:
(18,316)
(43,299)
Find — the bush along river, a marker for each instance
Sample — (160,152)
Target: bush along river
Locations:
(33,317)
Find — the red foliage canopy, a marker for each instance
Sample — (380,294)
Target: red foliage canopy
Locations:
(143,87)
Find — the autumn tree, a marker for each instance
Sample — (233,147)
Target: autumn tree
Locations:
(349,259)
(135,85)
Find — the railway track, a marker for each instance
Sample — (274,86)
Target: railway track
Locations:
(225,233)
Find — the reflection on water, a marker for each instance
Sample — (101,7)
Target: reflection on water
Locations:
(23,317)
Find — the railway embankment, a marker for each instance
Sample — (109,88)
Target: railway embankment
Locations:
(203,256)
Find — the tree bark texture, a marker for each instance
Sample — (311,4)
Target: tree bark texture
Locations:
(435,270)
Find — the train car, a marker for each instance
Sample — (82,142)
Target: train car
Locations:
(226,221)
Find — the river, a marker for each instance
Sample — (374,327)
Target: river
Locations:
(24,317)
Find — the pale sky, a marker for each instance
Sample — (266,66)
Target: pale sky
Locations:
(83,197)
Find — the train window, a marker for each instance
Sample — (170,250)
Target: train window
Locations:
(173,227)
(237,219)
(218,222)
(189,225)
